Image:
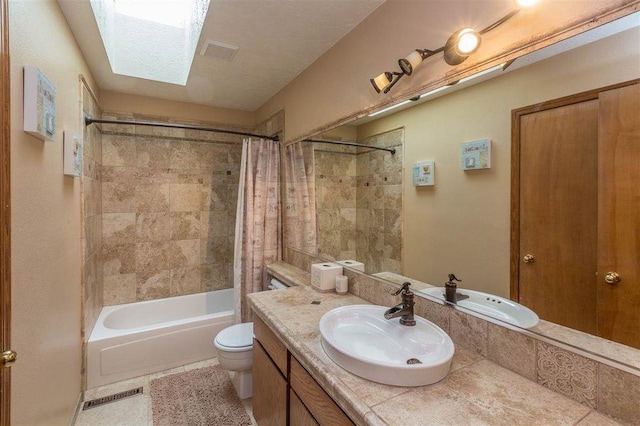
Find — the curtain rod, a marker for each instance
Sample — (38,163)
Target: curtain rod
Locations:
(89,120)
(391,150)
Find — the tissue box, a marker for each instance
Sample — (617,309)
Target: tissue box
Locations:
(353,264)
(323,276)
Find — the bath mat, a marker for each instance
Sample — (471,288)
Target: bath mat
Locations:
(200,397)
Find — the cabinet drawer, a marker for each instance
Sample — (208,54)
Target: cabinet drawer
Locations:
(322,407)
(274,347)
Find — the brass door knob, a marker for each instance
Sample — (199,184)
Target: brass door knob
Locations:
(528,258)
(8,358)
(612,278)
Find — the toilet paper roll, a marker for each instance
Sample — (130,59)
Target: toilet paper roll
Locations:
(342,284)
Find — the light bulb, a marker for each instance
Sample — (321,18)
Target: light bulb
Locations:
(468,41)
(526,3)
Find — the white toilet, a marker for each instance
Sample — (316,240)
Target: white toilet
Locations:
(235,353)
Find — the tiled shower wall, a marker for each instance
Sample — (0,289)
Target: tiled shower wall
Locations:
(379,204)
(359,202)
(91,207)
(169,204)
(335,169)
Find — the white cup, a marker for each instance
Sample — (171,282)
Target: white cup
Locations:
(342,284)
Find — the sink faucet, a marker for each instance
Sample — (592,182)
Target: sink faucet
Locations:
(451,290)
(405,309)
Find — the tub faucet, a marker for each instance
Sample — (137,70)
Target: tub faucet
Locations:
(451,290)
(405,309)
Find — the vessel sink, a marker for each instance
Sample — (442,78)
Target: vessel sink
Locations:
(492,306)
(359,339)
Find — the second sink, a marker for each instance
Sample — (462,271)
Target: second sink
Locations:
(360,340)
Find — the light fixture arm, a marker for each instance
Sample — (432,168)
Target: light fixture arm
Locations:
(500,21)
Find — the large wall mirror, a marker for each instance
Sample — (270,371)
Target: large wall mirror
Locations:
(361,204)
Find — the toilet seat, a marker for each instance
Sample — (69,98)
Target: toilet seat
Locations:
(237,338)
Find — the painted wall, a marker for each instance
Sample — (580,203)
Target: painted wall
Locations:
(336,86)
(461,224)
(179,111)
(46,227)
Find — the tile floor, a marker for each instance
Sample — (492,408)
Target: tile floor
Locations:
(134,411)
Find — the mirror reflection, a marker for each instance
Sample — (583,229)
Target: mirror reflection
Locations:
(362,205)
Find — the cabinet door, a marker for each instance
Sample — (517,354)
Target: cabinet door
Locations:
(298,413)
(619,215)
(269,390)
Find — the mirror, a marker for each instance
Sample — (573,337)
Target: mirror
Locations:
(461,224)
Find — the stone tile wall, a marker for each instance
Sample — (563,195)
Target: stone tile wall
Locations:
(359,202)
(335,169)
(91,207)
(606,386)
(379,204)
(169,204)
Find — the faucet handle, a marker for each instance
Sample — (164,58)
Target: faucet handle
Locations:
(405,288)
(453,278)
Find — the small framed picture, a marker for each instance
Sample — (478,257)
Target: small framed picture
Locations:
(424,173)
(475,155)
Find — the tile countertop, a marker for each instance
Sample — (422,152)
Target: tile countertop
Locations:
(476,391)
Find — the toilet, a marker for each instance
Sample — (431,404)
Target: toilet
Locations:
(235,354)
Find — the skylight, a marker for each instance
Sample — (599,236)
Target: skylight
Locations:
(151,39)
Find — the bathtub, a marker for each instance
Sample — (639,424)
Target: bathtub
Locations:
(140,338)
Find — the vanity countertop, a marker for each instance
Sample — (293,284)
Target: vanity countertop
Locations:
(476,391)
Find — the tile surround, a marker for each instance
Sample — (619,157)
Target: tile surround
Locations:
(350,185)
(91,222)
(168,211)
(609,390)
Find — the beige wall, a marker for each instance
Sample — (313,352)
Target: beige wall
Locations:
(45,233)
(336,86)
(178,111)
(461,224)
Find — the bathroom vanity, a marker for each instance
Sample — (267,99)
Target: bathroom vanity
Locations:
(290,361)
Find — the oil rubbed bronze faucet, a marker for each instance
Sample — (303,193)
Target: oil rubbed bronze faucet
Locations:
(405,309)
(451,290)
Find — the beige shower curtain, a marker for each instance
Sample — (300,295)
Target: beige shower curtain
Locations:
(300,198)
(257,236)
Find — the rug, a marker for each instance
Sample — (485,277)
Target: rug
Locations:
(202,397)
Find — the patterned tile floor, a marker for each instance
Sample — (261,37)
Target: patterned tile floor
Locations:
(134,411)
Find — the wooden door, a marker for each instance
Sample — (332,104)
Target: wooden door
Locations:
(619,215)
(558,214)
(5,210)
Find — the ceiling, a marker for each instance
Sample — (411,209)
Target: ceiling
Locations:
(277,40)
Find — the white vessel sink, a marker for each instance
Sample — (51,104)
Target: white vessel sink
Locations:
(492,306)
(359,339)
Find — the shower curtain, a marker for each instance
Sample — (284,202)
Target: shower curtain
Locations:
(300,198)
(257,235)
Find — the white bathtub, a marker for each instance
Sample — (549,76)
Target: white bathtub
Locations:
(141,338)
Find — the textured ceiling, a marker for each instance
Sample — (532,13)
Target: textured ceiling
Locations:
(277,40)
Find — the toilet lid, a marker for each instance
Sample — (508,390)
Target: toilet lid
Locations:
(236,336)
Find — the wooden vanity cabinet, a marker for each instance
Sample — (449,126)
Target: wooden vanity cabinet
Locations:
(284,393)
(270,385)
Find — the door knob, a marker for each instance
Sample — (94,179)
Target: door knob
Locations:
(8,358)
(612,278)
(528,258)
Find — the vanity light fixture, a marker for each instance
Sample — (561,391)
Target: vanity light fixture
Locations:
(462,44)
(501,67)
